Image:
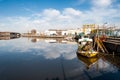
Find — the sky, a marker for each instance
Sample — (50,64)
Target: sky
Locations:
(24,15)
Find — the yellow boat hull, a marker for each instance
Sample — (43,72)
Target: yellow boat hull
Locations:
(88,53)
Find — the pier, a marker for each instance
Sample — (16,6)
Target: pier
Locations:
(9,35)
(112,45)
(41,36)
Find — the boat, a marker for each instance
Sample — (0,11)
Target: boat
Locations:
(88,53)
(85,47)
(84,39)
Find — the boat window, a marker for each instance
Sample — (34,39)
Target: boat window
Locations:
(85,36)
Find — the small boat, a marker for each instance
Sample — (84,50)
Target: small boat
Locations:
(85,47)
(88,53)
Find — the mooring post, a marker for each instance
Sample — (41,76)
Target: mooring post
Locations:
(113,54)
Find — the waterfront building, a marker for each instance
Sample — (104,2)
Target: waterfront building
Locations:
(64,32)
(50,32)
(4,34)
(9,34)
(73,32)
(117,33)
(69,32)
(33,31)
(88,28)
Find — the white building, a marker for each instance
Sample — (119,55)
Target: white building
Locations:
(73,32)
(50,32)
(64,33)
(37,33)
(69,32)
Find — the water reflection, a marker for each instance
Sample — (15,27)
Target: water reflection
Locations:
(51,51)
(88,61)
(52,40)
(104,60)
(113,59)
(100,69)
(7,37)
(21,59)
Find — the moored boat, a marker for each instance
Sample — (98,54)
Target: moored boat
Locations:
(87,53)
(85,47)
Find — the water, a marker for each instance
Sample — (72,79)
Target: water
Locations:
(27,59)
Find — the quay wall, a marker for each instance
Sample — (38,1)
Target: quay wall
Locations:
(112,45)
(45,36)
(9,34)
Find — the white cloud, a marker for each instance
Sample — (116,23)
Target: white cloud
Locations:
(47,50)
(66,18)
(101,15)
(102,3)
(72,12)
(51,13)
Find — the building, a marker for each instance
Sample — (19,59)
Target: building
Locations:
(64,33)
(55,32)
(69,32)
(9,34)
(73,32)
(2,34)
(33,31)
(50,32)
(88,28)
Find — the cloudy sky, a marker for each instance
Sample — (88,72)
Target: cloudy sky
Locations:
(24,15)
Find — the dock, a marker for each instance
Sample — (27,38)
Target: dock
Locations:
(9,35)
(112,45)
(39,36)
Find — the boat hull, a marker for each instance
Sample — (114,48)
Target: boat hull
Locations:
(88,53)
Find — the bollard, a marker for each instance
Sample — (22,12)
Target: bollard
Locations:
(113,54)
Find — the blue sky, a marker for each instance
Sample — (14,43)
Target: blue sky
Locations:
(20,7)
(24,15)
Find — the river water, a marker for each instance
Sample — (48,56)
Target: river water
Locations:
(37,59)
